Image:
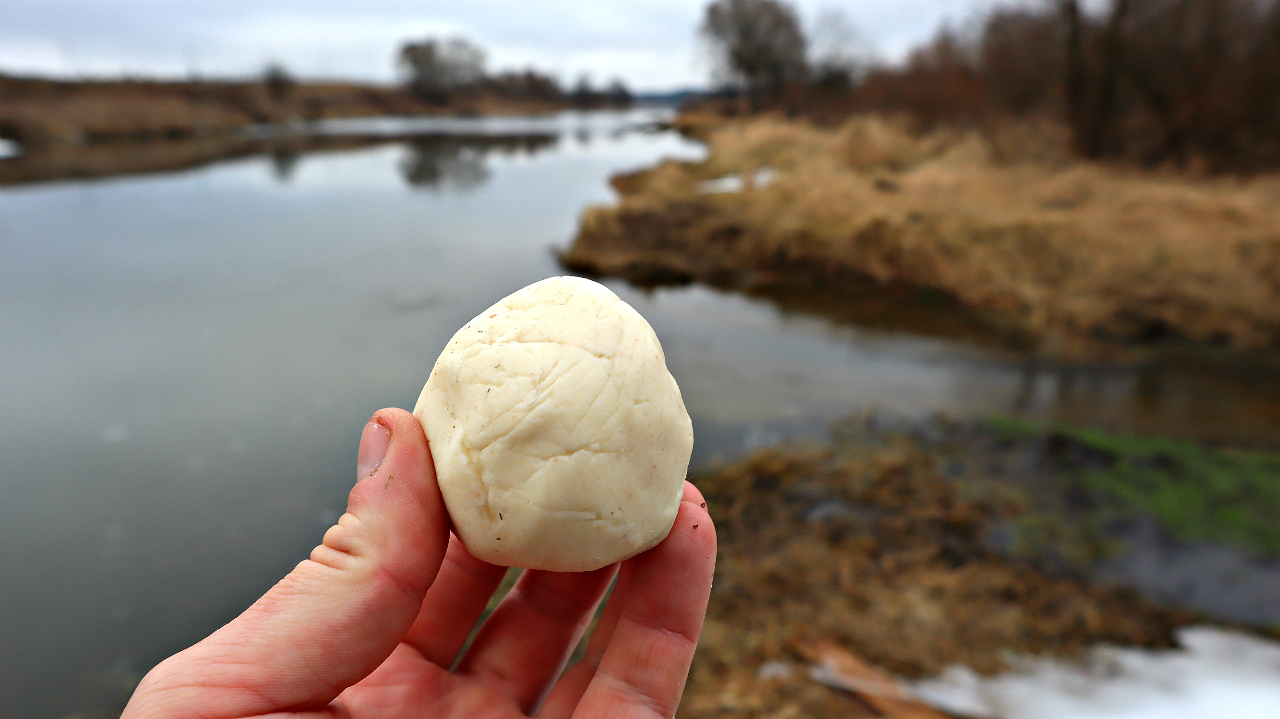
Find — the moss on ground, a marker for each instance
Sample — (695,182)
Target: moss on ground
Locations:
(1195,491)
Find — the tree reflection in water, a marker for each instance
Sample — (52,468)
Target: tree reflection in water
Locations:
(458,162)
(442,161)
(284,161)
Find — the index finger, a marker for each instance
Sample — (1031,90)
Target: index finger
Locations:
(646,663)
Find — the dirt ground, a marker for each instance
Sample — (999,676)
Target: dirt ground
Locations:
(865,543)
(1074,257)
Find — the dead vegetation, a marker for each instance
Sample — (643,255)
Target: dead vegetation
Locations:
(1192,83)
(1073,254)
(867,546)
(42,113)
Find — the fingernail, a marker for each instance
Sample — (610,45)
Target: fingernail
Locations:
(373,447)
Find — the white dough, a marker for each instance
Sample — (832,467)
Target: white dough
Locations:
(560,439)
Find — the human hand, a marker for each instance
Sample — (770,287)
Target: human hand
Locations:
(372,623)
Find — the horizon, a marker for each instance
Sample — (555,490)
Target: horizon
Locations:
(650,45)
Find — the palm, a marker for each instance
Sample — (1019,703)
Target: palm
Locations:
(512,660)
(374,623)
(407,685)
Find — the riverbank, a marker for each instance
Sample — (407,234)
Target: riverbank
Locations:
(41,113)
(433,155)
(922,546)
(1071,258)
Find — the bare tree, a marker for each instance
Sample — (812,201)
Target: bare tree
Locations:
(278,81)
(1189,82)
(837,54)
(1091,132)
(1074,75)
(618,93)
(758,43)
(436,67)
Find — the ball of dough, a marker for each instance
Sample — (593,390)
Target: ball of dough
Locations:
(560,439)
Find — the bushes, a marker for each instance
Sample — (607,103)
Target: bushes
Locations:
(1189,82)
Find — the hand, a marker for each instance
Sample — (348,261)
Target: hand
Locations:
(370,625)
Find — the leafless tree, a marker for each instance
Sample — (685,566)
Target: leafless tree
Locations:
(436,67)
(837,53)
(758,44)
(278,81)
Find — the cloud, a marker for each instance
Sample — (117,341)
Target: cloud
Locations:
(649,43)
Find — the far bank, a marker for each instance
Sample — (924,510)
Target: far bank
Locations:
(1070,257)
(38,113)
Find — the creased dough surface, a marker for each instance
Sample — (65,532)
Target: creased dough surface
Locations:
(560,439)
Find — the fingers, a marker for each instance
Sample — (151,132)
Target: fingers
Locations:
(336,616)
(646,662)
(567,692)
(462,591)
(691,494)
(524,644)
(453,605)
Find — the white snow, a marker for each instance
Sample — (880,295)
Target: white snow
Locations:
(736,183)
(1216,673)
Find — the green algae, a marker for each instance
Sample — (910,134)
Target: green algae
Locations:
(1195,491)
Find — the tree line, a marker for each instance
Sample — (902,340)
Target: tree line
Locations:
(1146,81)
(438,69)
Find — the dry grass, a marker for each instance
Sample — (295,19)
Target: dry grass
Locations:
(41,113)
(865,544)
(1061,250)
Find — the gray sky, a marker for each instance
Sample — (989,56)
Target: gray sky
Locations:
(650,44)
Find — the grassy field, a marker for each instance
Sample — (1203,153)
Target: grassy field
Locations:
(1075,257)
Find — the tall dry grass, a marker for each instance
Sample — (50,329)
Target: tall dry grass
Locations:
(1003,221)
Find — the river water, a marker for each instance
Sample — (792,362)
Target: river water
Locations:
(188,359)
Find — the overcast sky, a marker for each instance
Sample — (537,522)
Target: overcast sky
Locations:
(650,44)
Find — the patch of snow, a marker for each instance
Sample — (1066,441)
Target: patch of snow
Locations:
(774,669)
(736,183)
(1215,673)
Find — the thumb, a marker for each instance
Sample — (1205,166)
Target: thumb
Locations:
(337,615)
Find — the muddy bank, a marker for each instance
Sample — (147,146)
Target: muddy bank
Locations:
(39,113)
(1072,257)
(867,542)
(432,158)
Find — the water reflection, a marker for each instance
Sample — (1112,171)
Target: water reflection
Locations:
(284,160)
(444,160)
(458,163)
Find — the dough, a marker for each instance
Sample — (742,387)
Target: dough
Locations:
(560,439)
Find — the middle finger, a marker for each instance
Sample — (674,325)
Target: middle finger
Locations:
(523,645)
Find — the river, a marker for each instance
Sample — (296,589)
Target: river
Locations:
(189,356)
